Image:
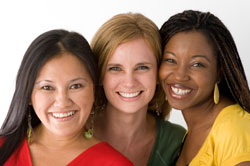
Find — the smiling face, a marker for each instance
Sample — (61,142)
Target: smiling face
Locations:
(188,71)
(130,79)
(63,95)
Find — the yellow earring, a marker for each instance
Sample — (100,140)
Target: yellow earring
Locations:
(216,94)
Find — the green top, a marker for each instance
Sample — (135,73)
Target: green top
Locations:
(168,143)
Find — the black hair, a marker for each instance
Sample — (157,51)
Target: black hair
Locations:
(44,47)
(234,83)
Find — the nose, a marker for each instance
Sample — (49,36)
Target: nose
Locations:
(181,73)
(62,99)
(129,80)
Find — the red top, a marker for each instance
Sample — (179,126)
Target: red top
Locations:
(100,154)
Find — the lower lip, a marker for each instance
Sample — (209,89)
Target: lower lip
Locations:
(174,95)
(64,118)
(130,98)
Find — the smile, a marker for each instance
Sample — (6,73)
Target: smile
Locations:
(179,91)
(129,95)
(63,115)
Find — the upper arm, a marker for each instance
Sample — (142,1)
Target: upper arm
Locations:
(246,163)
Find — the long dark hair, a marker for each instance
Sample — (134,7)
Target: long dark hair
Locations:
(44,47)
(234,83)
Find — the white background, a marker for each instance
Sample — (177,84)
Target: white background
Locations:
(21,21)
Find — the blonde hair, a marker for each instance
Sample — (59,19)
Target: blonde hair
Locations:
(119,29)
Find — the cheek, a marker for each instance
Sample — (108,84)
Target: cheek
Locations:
(148,81)
(110,82)
(163,72)
(41,101)
(85,99)
(205,81)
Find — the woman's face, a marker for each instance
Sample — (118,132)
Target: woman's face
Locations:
(188,71)
(63,95)
(130,79)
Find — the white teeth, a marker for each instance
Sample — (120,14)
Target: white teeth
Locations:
(63,115)
(129,94)
(180,91)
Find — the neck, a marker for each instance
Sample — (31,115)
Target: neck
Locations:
(44,137)
(126,127)
(202,116)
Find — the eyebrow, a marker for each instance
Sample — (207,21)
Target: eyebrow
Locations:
(201,56)
(114,64)
(194,56)
(76,79)
(140,63)
(143,63)
(168,52)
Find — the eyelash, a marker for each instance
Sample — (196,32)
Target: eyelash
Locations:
(46,88)
(170,60)
(198,64)
(142,68)
(114,69)
(76,86)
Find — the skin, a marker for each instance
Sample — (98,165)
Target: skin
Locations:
(129,84)
(188,74)
(58,140)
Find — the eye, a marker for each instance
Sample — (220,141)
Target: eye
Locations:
(46,88)
(168,60)
(114,69)
(198,64)
(142,68)
(76,86)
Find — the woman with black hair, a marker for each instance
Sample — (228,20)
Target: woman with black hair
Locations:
(53,99)
(202,75)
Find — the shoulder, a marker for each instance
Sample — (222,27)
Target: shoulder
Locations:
(230,135)
(105,155)
(167,143)
(168,130)
(1,140)
(232,121)
(21,156)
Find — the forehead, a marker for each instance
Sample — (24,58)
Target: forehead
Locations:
(135,49)
(193,41)
(63,64)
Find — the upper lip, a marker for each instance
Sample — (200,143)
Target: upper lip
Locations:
(129,92)
(73,110)
(180,86)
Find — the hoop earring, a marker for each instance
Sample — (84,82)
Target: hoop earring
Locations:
(89,134)
(216,94)
(29,130)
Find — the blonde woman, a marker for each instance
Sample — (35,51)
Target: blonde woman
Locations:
(130,102)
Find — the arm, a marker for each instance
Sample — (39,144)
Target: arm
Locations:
(246,163)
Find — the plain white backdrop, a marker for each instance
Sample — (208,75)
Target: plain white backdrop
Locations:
(22,21)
